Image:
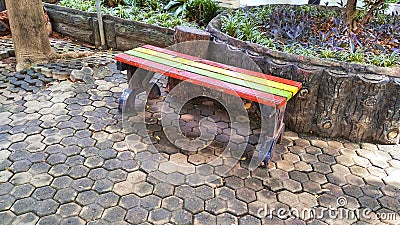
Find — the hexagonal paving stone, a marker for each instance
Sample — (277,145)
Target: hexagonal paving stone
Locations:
(245,194)
(108,199)
(159,216)
(352,190)
(46,207)
(43,193)
(234,182)
(136,215)
(369,202)
(253,183)
(6,217)
(51,219)
(237,207)
(226,219)
(72,220)
(163,189)
(292,185)
(194,204)
(150,202)
(354,180)
(389,202)
(6,201)
(87,197)
(205,192)
(82,184)
(288,198)
(204,218)
(181,217)
(69,209)
(91,212)
(26,219)
(114,214)
(249,220)
(65,195)
(22,191)
(19,178)
(216,206)
(129,201)
(184,191)
(274,184)
(172,203)
(78,171)
(24,205)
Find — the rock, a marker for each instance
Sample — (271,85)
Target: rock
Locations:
(87,71)
(76,75)
(85,75)
(88,79)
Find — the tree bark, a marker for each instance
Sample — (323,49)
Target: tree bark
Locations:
(28,28)
(350,12)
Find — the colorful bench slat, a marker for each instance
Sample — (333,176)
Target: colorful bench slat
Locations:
(227,67)
(211,68)
(180,65)
(246,93)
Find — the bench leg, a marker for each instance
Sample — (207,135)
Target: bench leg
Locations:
(271,130)
(138,82)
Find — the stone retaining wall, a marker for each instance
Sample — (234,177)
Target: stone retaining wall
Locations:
(120,34)
(340,100)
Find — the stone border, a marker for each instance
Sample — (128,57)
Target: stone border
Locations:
(120,34)
(338,100)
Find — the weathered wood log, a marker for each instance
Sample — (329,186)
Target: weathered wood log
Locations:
(189,41)
(338,100)
(120,33)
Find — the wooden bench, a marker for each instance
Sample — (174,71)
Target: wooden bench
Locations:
(272,93)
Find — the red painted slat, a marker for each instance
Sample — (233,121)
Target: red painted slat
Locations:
(246,93)
(227,67)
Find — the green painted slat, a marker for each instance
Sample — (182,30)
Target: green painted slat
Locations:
(251,85)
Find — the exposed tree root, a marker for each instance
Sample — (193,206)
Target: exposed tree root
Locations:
(73,55)
(28,62)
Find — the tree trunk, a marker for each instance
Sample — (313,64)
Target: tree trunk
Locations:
(190,41)
(28,28)
(350,12)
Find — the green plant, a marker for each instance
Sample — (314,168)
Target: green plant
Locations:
(317,32)
(202,11)
(230,23)
(137,10)
(177,7)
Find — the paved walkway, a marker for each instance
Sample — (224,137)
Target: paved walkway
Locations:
(66,159)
